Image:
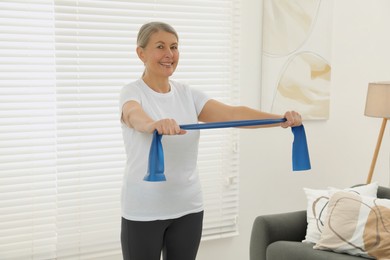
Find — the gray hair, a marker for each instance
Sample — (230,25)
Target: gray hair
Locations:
(150,28)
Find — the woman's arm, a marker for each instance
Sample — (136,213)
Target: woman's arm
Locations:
(215,111)
(135,117)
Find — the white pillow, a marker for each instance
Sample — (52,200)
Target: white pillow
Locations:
(357,225)
(317,202)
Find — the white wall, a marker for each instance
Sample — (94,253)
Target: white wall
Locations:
(341,148)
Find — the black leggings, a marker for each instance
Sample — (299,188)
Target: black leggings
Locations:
(178,238)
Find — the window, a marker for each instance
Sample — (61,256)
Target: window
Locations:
(63,64)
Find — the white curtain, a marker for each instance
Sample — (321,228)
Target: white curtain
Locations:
(62,65)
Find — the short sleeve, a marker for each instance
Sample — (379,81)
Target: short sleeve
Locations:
(128,93)
(200,99)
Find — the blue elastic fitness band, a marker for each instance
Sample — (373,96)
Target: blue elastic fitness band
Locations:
(300,153)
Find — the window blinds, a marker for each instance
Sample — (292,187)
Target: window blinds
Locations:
(27,131)
(61,150)
(91,66)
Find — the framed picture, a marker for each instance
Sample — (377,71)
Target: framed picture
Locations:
(296,57)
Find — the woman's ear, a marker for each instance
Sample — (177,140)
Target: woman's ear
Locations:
(140,53)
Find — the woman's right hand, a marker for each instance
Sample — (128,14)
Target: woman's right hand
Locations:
(135,117)
(167,126)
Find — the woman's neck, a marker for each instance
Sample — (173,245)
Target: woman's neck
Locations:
(158,85)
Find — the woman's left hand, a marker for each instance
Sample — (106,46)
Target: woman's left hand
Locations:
(293,119)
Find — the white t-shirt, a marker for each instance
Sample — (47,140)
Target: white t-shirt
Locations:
(181,193)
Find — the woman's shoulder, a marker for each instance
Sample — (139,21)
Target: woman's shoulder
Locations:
(181,87)
(184,89)
(133,86)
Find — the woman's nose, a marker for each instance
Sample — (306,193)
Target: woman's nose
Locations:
(168,53)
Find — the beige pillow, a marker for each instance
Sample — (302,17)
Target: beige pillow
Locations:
(357,225)
(317,202)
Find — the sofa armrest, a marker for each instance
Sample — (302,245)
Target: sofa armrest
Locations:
(267,229)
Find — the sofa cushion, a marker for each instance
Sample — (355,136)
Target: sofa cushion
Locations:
(317,202)
(286,250)
(357,225)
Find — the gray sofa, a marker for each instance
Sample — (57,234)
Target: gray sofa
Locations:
(279,237)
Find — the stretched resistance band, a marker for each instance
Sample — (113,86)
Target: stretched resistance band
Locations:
(300,153)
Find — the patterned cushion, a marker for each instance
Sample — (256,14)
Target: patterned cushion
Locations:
(317,202)
(357,225)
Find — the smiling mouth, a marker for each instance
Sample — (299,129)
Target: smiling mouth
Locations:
(166,64)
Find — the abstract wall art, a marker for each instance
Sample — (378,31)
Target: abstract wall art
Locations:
(296,57)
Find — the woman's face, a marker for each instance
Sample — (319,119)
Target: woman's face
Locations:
(161,55)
